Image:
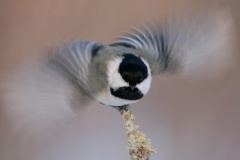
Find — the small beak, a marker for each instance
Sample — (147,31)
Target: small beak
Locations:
(132,87)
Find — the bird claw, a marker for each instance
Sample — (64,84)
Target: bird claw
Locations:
(121,108)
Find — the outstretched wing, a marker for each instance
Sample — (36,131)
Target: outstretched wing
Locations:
(58,81)
(186,44)
(44,93)
(72,62)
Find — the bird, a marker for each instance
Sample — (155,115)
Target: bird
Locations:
(120,73)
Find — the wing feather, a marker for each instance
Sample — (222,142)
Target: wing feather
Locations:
(188,44)
(73,61)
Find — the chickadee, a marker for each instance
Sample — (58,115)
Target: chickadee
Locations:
(116,75)
(121,73)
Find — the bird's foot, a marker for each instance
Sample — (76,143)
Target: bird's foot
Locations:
(121,108)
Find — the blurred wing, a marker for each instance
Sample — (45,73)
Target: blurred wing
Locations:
(44,94)
(72,62)
(186,44)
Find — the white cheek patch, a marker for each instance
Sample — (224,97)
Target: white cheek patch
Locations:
(144,86)
(114,78)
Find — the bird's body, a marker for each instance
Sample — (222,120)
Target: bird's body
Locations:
(115,76)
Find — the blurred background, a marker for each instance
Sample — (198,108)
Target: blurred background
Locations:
(186,119)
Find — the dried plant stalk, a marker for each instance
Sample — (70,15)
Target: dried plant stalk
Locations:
(138,145)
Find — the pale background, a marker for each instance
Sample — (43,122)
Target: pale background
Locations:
(185,119)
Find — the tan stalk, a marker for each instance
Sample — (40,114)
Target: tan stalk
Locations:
(138,145)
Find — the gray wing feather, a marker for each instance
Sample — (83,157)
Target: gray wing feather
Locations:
(43,94)
(73,61)
(58,81)
(185,44)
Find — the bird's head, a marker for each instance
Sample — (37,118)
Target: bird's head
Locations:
(129,77)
